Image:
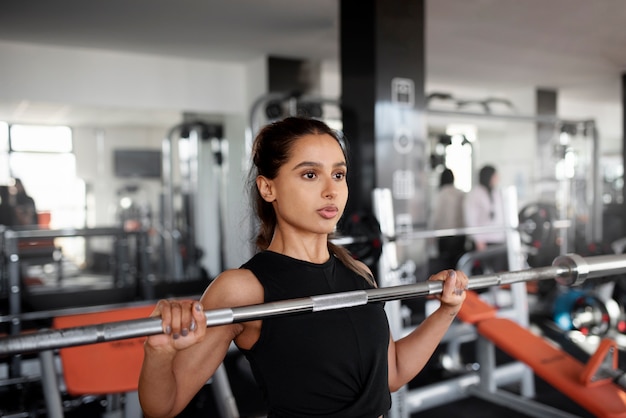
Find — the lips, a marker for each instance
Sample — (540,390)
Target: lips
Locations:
(328,212)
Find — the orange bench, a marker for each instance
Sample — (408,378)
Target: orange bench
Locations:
(102,368)
(596,393)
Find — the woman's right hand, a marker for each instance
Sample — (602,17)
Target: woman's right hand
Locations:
(183,322)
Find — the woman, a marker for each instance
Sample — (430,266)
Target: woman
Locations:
(448,214)
(336,363)
(484,207)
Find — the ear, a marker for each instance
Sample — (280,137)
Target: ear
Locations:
(266,189)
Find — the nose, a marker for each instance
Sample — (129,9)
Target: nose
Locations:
(330,189)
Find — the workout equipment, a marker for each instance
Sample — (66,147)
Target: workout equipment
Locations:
(109,369)
(598,386)
(538,224)
(131,273)
(586,312)
(569,270)
(182,247)
(362,237)
(538,232)
(104,369)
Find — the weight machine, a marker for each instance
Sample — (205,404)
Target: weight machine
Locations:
(596,385)
(184,152)
(389,275)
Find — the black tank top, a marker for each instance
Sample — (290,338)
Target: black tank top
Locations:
(330,364)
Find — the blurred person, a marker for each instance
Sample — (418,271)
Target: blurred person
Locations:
(339,363)
(24,208)
(448,214)
(484,207)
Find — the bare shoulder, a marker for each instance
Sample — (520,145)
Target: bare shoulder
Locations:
(235,287)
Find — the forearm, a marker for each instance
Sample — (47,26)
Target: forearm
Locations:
(157,384)
(413,351)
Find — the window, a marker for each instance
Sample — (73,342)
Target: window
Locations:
(42,157)
(459,154)
(34,138)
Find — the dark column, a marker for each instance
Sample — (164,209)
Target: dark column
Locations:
(292,75)
(383,107)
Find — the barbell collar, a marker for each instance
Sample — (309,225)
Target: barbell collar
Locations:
(576,265)
(570,270)
(583,268)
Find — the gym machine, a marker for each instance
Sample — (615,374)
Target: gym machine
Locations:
(183,154)
(130,274)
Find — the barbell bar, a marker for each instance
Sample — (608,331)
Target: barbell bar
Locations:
(567,270)
(437,233)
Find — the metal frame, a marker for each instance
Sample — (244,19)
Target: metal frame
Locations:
(10,268)
(485,383)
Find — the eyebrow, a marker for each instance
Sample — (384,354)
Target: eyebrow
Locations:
(316,164)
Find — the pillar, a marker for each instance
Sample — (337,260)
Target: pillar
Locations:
(383,107)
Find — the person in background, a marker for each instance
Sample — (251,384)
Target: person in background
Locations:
(448,214)
(340,363)
(25,210)
(484,207)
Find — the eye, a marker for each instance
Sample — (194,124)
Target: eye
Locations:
(339,175)
(309,175)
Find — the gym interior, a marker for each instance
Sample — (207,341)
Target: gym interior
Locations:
(130,125)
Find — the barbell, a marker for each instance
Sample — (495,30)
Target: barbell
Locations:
(361,234)
(567,270)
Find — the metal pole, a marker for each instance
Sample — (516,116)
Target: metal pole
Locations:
(50,385)
(569,270)
(562,224)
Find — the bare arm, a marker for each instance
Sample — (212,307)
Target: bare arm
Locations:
(408,356)
(179,362)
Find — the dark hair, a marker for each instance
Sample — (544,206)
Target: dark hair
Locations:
(270,150)
(447,177)
(484,176)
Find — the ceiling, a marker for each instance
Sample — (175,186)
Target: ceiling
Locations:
(575,46)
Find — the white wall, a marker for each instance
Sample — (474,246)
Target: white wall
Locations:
(121,80)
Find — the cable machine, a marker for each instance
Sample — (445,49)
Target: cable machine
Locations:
(184,151)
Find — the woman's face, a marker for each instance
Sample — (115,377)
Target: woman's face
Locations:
(310,191)
(493,182)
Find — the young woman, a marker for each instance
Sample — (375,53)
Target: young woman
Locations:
(337,364)
(448,214)
(484,207)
